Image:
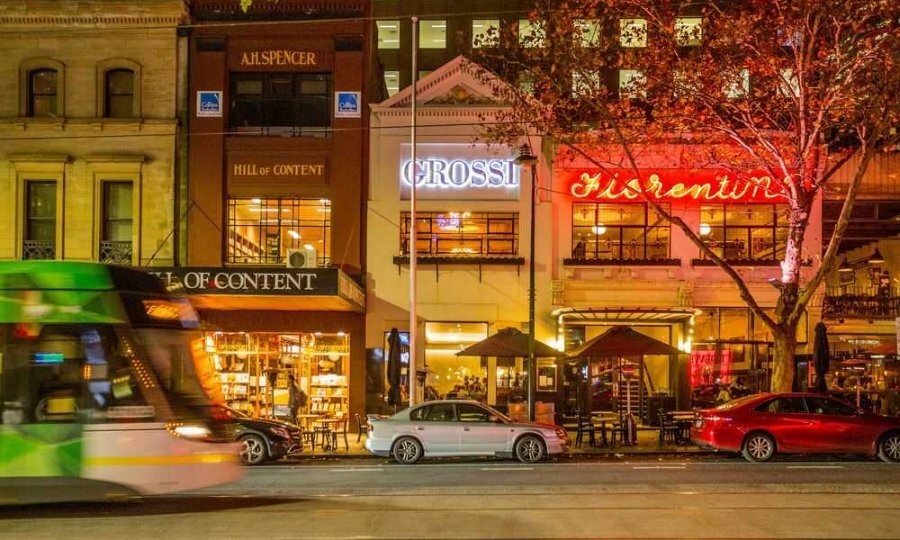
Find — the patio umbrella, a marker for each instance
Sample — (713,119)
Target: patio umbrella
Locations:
(821,357)
(510,343)
(623,341)
(393,367)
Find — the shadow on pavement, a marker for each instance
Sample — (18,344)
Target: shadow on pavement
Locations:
(151,506)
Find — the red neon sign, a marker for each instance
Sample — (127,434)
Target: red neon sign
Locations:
(703,185)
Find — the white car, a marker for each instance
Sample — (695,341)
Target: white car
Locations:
(461,428)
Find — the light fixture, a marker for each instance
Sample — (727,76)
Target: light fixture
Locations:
(876,257)
(705,229)
(294,234)
(308,246)
(599,229)
(845,266)
(256,201)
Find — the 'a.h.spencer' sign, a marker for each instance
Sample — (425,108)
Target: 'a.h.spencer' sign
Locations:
(703,185)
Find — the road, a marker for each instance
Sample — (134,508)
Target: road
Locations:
(372,498)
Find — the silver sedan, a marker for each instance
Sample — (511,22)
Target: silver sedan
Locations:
(461,428)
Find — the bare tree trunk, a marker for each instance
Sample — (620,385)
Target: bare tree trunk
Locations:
(783,365)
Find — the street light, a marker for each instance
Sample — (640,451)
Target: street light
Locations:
(527,159)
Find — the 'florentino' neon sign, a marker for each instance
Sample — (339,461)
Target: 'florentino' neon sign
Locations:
(674,184)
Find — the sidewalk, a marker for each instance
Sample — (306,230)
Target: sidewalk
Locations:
(648,444)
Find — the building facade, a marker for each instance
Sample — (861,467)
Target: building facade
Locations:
(89,107)
(277,177)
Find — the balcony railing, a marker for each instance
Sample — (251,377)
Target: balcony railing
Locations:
(116,252)
(38,250)
(861,303)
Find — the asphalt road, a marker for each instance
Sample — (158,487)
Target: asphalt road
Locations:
(646,498)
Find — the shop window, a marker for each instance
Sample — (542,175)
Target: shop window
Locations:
(40,220)
(451,376)
(748,232)
(587,32)
(532,34)
(433,34)
(43,91)
(281,104)
(633,32)
(485,33)
(267,231)
(117,225)
(688,31)
(392,82)
(546,375)
(462,233)
(119,94)
(388,34)
(618,232)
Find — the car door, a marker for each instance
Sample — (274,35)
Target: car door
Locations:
(840,427)
(480,431)
(438,430)
(787,420)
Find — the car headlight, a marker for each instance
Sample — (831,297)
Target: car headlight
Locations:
(281,432)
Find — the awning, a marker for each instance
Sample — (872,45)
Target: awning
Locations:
(601,315)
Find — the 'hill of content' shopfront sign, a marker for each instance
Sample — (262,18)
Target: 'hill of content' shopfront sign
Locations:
(459,172)
(262,281)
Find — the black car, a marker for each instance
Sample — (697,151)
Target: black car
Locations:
(264,440)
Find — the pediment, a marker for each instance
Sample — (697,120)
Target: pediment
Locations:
(459,82)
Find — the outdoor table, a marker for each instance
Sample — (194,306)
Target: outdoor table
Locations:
(326,430)
(601,419)
(306,418)
(683,419)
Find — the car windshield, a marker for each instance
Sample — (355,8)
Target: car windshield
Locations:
(735,403)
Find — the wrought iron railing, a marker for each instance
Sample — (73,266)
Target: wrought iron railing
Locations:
(38,250)
(116,252)
(861,303)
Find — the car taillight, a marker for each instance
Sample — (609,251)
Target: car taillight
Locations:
(369,427)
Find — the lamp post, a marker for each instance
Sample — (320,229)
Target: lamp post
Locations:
(527,159)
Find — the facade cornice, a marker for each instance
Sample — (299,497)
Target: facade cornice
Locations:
(33,14)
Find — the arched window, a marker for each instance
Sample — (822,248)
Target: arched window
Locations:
(43,89)
(119,93)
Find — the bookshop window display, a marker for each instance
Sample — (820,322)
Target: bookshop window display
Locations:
(253,369)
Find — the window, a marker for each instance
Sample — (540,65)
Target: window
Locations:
(829,406)
(587,31)
(632,84)
(473,413)
(531,33)
(485,33)
(283,104)
(462,233)
(783,406)
(441,412)
(433,34)
(546,375)
(388,34)
(688,31)
(117,226)
(586,83)
(392,82)
(42,93)
(119,94)
(454,376)
(262,231)
(752,232)
(618,232)
(633,32)
(738,86)
(40,220)
(789,84)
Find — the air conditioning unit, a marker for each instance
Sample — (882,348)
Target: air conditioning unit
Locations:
(302,258)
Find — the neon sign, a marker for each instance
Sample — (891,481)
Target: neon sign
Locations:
(705,185)
(461,173)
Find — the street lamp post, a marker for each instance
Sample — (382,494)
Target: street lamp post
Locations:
(527,159)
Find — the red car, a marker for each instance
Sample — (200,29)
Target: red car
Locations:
(760,425)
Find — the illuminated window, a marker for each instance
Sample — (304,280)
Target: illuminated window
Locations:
(738,86)
(586,83)
(119,94)
(452,376)
(789,84)
(633,32)
(632,84)
(281,104)
(264,231)
(392,82)
(462,233)
(587,31)
(117,226)
(40,220)
(750,232)
(618,232)
(433,34)
(42,93)
(388,34)
(485,33)
(688,31)
(532,33)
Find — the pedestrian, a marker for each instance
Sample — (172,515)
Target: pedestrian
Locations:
(296,398)
(723,396)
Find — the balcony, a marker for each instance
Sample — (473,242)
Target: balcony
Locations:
(861,303)
(35,250)
(116,252)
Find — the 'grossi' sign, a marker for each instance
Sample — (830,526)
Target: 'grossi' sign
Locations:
(670,185)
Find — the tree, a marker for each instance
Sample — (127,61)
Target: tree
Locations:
(795,89)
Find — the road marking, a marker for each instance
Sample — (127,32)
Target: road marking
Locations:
(507,468)
(815,466)
(356,470)
(660,467)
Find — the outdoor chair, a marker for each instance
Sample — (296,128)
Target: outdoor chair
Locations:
(340,429)
(585,427)
(668,430)
(322,432)
(360,427)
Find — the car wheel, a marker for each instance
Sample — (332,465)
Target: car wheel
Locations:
(529,449)
(758,447)
(889,448)
(407,450)
(253,450)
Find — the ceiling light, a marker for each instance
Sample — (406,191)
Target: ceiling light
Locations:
(876,257)
(294,234)
(599,229)
(705,229)
(845,266)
